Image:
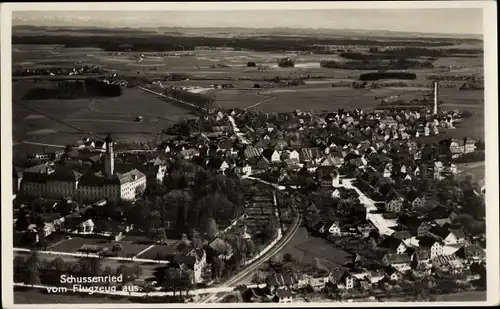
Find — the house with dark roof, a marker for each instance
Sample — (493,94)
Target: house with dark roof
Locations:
(431,243)
(283,296)
(392,245)
(217,164)
(262,164)
(271,155)
(393,274)
(471,253)
(421,255)
(400,262)
(282,280)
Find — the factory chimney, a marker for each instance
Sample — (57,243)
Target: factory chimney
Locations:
(435,109)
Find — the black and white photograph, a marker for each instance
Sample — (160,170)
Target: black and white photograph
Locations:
(227,154)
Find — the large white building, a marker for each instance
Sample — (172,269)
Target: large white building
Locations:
(46,181)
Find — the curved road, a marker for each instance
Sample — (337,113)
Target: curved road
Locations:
(248,271)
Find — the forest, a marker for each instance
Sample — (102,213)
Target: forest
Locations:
(150,43)
(74,89)
(387,75)
(399,64)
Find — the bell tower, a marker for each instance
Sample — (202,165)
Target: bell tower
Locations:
(109,158)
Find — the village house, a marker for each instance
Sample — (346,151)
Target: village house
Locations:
(471,254)
(246,169)
(271,155)
(448,263)
(454,237)
(189,153)
(421,255)
(310,154)
(284,296)
(392,245)
(365,229)
(401,262)
(86,227)
(276,281)
(394,205)
(417,203)
(375,276)
(262,164)
(393,274)
(218,164)
(342,279)
(198,264)
(252,152)
(435,246)
(316,282)
(462,146)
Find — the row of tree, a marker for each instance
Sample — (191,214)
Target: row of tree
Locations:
(200,100)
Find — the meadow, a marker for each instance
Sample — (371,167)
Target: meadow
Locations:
(306,248)
(92,116)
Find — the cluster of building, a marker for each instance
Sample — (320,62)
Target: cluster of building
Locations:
(78,177)
(286,144)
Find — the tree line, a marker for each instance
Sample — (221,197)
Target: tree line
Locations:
(399,64)
(148,43)
(74,90)
(200,100)
(387,75)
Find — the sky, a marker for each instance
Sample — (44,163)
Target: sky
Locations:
(441,20)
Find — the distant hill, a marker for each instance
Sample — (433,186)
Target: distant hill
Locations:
(240,31)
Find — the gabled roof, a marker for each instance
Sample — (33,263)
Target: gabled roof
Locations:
(390,243)
(282,293)
(215,163)
(263,143)
(459,233)
(395,259)
(422,253)
(281,279)
(268,153)
(426,241)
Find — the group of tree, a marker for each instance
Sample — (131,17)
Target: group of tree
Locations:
(387,75)
(35,270)
(200,100)
(74,90)
(399,64)
(192,198)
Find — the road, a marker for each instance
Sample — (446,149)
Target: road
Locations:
(237,131)
(41,144)
(251,268)
(259,103)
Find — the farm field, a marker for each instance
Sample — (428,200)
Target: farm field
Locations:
(205,68)
(100,116)
(306,248)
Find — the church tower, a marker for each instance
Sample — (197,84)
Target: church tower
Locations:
(109,158)
(436,98)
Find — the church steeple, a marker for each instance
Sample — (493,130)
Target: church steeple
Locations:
(109,157)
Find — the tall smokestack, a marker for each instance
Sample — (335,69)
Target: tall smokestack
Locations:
(435,110)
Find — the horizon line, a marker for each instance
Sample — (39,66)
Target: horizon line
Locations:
(243,27)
